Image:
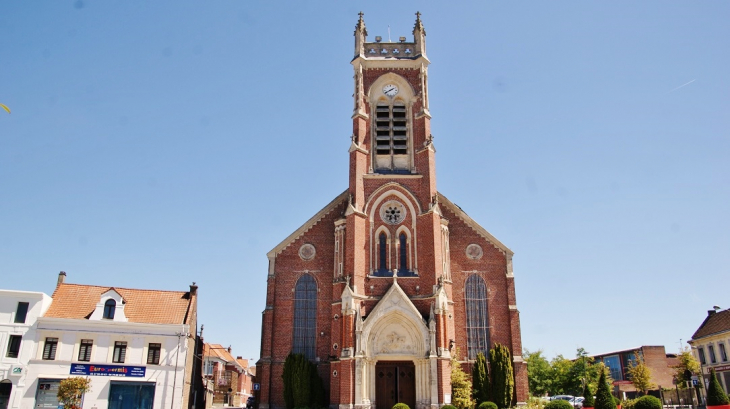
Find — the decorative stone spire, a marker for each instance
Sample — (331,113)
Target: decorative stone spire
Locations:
(361,34)
(419,36)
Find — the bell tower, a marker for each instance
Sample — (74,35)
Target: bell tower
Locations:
(391,132)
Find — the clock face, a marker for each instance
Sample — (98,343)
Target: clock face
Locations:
(390,90)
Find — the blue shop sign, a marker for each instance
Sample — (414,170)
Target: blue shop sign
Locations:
(108,370)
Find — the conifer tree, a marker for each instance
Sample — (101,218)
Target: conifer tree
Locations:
(501,375)
(604,399)
(480,379)
(588,402)
(715,395)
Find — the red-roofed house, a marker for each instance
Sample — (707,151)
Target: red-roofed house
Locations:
(137,346)
(230,377)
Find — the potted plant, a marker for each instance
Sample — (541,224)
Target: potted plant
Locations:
(716,397)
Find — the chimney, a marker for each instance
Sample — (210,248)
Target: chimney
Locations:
(61,277)
(193,289)
(711,312)
(239,357)
(229,349)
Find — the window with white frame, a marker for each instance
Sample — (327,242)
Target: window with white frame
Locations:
(85,348)
(711,350)
(723,353)
(701,353)
(49,348)
(120,352)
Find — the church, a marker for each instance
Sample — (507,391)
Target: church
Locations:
(389,279)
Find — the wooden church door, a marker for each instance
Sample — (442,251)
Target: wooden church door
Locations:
(395,382)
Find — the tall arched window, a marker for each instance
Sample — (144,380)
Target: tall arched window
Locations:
(403,256)
(382,253)
(305,317)
(477,317)
(109,307)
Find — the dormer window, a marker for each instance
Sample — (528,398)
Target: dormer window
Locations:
(109,307)
(391,137)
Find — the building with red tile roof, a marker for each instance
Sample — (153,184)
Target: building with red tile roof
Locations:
(231,377)
(135,344)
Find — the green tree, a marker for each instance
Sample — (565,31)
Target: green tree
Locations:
(302,385)
(640,373)
(539,373)
(687,362)
(71,390)
(560,368)
(604,399)
(588,402)
(715,395)
(480,380)
(460,384)
(501,375)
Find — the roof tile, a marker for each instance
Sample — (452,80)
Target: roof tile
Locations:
(78,301)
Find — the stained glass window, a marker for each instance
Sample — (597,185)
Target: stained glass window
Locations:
(477,317)
(305,316)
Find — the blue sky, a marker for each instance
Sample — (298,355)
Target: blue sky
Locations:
(153,144)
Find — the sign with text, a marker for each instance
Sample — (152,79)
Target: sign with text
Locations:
(108,370)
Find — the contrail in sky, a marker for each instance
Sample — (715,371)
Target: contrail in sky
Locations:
(683,85)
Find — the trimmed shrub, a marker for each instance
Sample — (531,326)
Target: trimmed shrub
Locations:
(487,405)
(558,404)
(604,399)
(616,400)
(648,402)
(303,388)
(401,406)
(480,380)
(715,395)
(501,375)
(448,407)
(589,401)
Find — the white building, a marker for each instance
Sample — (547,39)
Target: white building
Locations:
(19,311)
(136,347)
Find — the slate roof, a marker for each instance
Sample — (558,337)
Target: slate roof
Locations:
(715,322)
(77,301)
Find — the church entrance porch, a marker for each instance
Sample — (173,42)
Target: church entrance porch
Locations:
(395,382)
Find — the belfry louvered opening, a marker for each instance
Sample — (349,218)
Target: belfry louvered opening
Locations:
(391,137)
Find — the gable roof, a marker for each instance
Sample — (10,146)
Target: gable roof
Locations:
(473,224)
(78,301)
(217,351)
(716,322)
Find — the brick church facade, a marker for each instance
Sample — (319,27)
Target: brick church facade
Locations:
(383,284)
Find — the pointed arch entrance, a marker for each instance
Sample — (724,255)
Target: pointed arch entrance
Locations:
(394,362)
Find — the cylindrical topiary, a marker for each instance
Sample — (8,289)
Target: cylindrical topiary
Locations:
(448,407)
(715,395)
(487,405)
(558,404)
(401,406)
(604,399)
(648,402)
